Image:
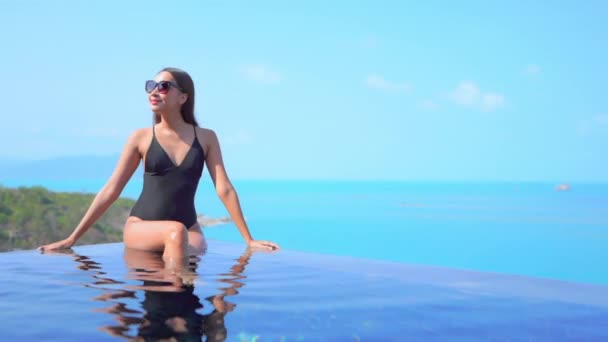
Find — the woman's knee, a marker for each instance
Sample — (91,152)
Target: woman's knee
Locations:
(177,233)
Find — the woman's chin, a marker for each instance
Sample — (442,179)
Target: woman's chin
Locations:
(155,108)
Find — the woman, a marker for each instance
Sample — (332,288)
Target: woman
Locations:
(174,151)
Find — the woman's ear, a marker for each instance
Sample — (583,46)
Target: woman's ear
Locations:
(183,98)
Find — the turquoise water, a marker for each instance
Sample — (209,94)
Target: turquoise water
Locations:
(516,228)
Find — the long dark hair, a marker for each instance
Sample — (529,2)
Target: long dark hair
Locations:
(185,82)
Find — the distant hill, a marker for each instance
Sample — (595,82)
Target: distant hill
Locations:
(33,216)
(98,167)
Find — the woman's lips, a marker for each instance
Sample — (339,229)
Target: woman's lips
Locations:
(154,102)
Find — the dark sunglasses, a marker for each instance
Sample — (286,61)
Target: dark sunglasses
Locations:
(163,86)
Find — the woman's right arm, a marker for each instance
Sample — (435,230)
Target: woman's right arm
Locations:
(126,166)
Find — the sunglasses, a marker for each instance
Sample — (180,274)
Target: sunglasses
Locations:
(163,86)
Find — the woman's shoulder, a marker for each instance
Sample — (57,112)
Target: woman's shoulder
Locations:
(142,132)
(139,135)
(206,133)
(206,137)
(204,130)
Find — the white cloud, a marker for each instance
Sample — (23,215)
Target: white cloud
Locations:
(469,94)
(429,105)
(378,82)
(262,74)
(588,126)
(370,41)
(240,137)
(98,132)
(491,101)
(532,69)
(601,119)
(583,128)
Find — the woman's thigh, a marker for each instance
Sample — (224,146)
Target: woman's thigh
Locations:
(151,235)
(148,235)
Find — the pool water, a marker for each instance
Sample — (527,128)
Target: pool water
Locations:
(104,292)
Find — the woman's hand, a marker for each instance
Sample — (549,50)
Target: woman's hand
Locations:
(65,243)
(265,245)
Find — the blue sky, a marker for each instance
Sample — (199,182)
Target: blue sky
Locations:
(473,90)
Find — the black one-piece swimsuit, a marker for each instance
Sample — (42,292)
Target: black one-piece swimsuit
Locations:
(169,189)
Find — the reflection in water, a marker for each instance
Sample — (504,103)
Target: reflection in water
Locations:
(169,307)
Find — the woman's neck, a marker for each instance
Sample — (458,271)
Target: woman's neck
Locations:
(172,120)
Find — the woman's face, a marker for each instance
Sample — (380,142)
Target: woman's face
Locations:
(169,98)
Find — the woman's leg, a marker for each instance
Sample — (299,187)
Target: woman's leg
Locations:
(196,240)
(168,237)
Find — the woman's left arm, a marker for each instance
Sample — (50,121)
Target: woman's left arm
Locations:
(226,192)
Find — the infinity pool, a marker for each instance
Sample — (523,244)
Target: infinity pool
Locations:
(99,292)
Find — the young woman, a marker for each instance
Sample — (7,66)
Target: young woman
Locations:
(174,151)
